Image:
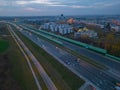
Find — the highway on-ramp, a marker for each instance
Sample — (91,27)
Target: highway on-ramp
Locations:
(50,85)
(27,58)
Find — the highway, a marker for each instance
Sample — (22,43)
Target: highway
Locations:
(94,56)
(114,66)
(110,63)
(50,85)
(96,76)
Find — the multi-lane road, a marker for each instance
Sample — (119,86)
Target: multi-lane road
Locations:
(50,85)
(96,76)
(112,65)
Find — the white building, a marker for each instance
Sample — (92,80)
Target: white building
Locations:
(116,28)
(89,33)
(61,28)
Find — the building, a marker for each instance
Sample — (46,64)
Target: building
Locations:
(85,32)
(60,28)
(116,28)
(71,21)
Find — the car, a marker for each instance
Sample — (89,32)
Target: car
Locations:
(68,63)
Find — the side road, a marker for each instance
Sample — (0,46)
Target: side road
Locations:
(50,85)
(27,58)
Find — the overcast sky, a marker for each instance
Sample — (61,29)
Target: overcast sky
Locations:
(56,7)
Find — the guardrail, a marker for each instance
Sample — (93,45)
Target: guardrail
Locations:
(113,57)
(96,49)
(46,36)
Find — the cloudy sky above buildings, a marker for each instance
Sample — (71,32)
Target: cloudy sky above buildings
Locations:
(56,7)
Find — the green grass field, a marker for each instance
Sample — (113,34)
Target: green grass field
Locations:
(3,45)
(3,29)
(20,70)
(63,78)
(15,74)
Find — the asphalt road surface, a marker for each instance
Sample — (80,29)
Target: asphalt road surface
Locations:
(114,66)
(97,77)
(50,85)
(26,57)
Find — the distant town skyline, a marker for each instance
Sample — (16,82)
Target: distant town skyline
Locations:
(56,7)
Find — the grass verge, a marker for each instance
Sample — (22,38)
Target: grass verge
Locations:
(42,83)
(63,78)
(19,68)
(4,45)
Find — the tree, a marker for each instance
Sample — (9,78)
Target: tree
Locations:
(109,40)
